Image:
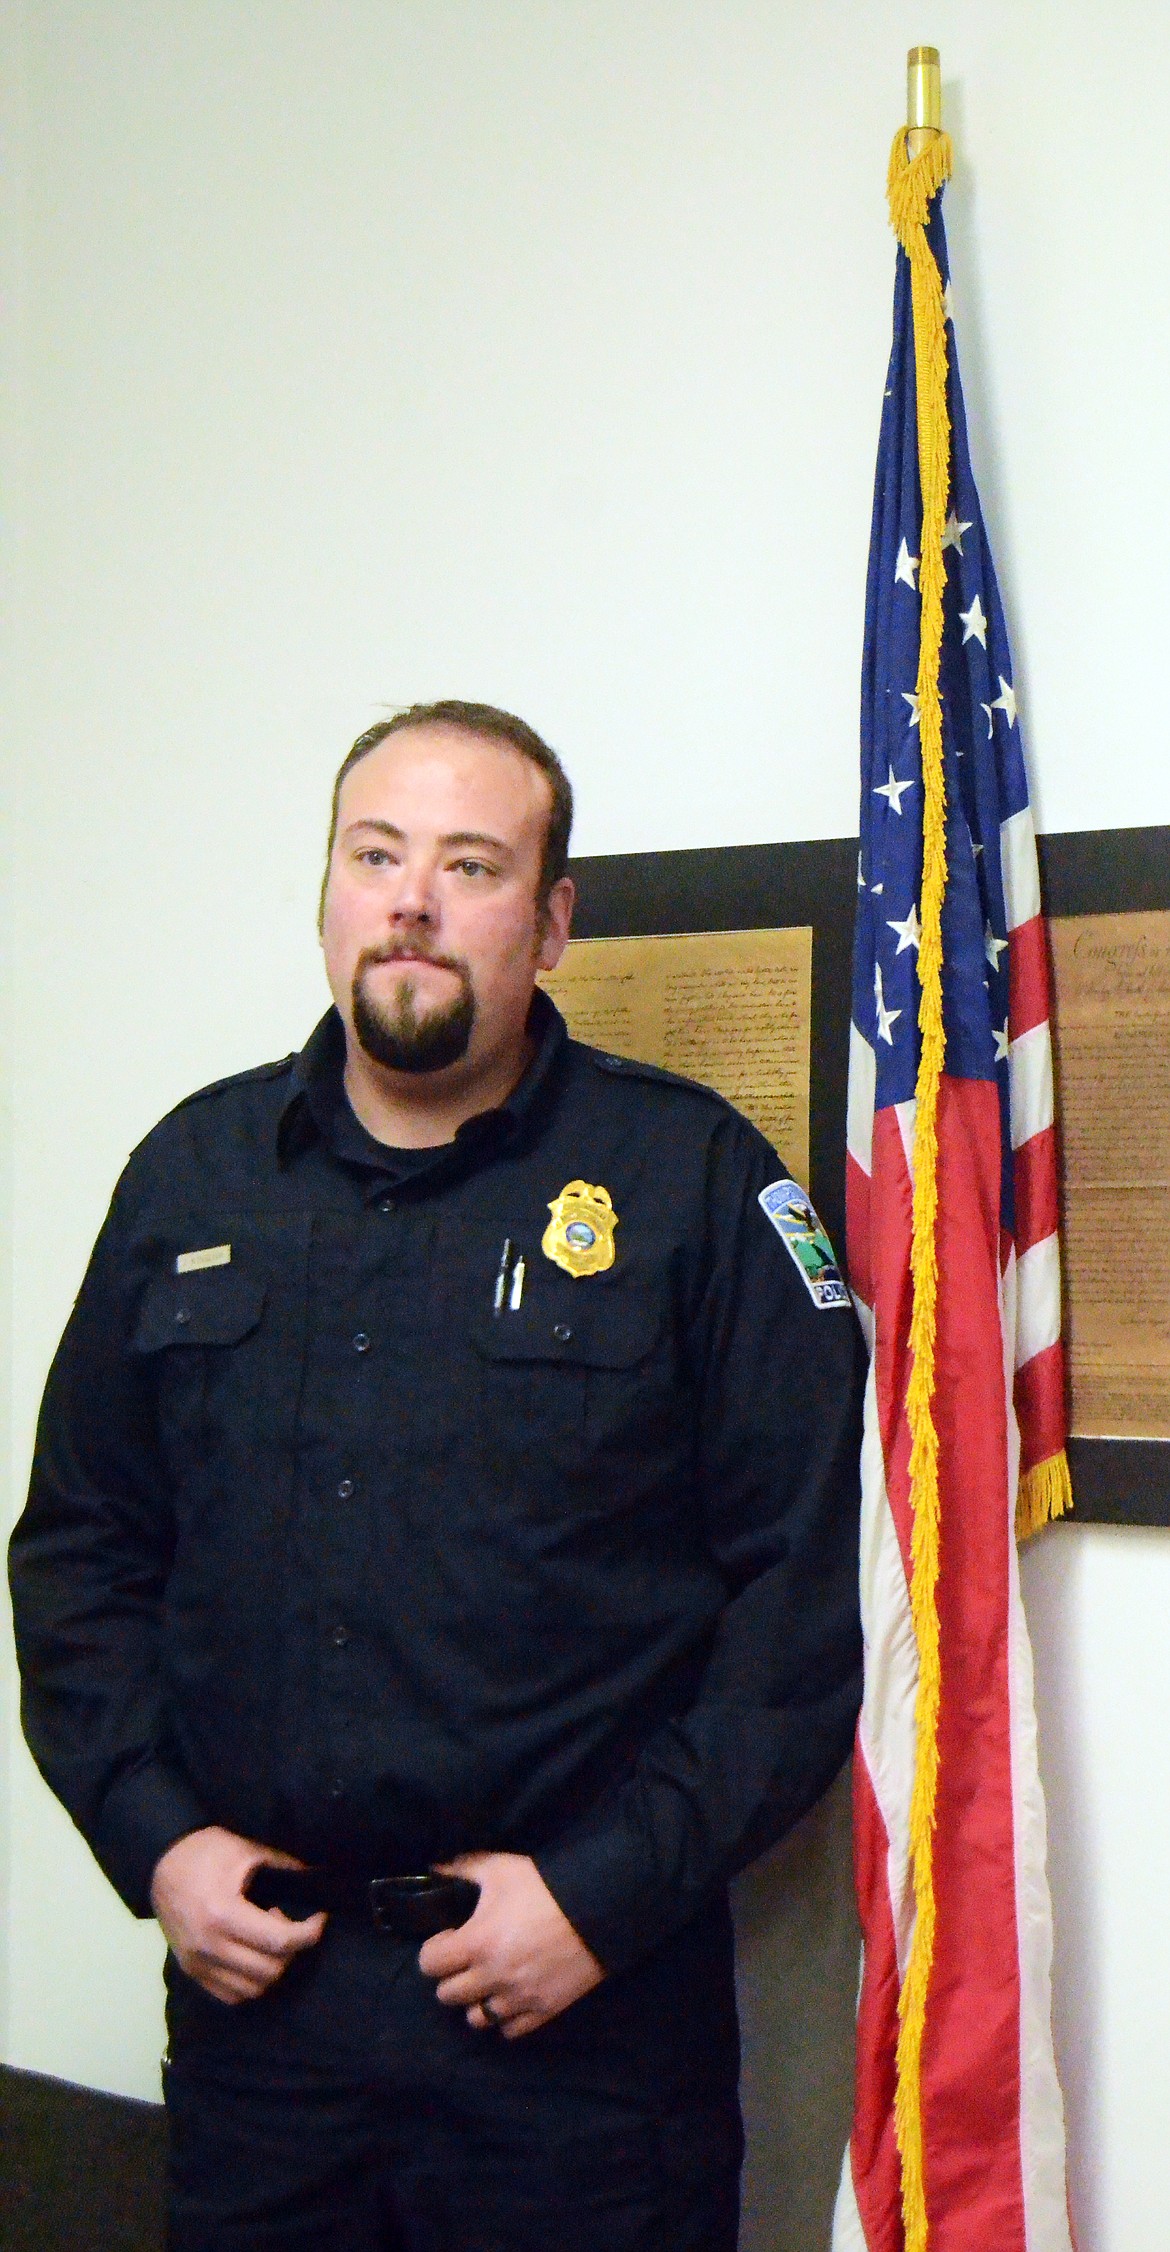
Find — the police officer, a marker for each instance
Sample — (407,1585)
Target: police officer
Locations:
(446,1483)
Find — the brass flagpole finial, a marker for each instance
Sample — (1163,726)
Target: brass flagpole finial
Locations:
(923,99)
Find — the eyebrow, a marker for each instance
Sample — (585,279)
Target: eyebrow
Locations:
(456,837)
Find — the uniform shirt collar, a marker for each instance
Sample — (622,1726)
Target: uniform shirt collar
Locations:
(318,1108)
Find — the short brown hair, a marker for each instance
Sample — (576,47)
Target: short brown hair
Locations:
(499,727)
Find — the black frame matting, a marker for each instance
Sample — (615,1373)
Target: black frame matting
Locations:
(754,887)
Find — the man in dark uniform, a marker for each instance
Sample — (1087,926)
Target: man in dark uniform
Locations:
(448,1466)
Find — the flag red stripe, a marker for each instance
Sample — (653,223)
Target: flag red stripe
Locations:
(858,1191)
(1037,1198)
(1027,976)
(1040,1405)
(891,1228)
(971,2065)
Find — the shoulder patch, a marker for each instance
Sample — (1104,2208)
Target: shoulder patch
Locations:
(792,1215)
(259,1072)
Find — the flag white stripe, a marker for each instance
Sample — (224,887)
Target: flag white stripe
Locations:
(1021,872)
(848,2234)
(860,1100)
(886,1727)
(1037,1299)
(1042,2127)
(1030,1084)
(1042,2135)
(907,1114)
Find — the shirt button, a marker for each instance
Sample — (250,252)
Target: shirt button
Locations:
(183,1315)
(387,1204)
(562,1333)
(361,1343)
(339,1637)
(345,1489)
(337,1788)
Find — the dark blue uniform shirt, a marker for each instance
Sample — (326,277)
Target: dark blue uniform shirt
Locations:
(327,1544)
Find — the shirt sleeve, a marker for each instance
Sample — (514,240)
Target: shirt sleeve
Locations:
(781,1383)
(88,1563)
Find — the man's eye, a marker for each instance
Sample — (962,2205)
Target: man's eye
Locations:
(374,856)
(474,868)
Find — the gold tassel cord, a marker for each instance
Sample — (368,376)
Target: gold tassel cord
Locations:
(1045,1493)
(913,184)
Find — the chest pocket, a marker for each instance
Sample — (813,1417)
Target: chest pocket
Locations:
(565,1379)
(193,1331)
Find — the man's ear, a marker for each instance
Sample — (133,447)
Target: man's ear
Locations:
(554,919)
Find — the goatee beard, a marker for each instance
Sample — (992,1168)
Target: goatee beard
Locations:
(400,1039)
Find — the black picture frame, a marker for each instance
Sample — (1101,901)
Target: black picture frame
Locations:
(813,883)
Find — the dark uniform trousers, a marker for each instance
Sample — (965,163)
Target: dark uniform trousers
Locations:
(349,2109)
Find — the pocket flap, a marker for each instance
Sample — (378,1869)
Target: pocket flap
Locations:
(606,1329)
(214,1306)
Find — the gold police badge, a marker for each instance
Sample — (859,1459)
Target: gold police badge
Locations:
(579,1237)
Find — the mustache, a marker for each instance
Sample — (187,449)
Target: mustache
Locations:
(408,950)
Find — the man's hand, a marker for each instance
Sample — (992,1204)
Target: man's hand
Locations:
(221,1939)
(518,1953)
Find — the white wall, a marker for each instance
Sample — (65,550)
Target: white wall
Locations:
(534,351)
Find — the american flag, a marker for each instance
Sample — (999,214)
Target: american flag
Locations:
(977,2157)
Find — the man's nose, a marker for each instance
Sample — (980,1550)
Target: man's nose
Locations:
(413,899)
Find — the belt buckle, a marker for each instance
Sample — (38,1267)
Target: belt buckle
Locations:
(385,1898)
(415,1907)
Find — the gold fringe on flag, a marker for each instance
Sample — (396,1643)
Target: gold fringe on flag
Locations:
(913,183)
(1045,1492)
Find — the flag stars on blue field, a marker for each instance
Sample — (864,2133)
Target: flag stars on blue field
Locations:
(1000,1036)
(974,623)
(885,1017)
(909,931)
(977,683)
(893,791)
(905,567)
(1005,702)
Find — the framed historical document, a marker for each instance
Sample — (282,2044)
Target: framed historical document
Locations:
(732,1008)
(758,1005)
(1112,1056)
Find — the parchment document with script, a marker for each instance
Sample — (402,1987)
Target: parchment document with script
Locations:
(1112,981)
(732,1008)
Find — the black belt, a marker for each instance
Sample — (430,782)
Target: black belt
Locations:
(405,1907)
